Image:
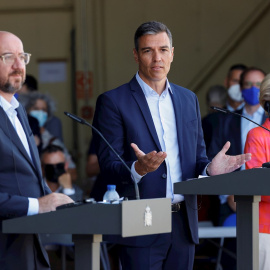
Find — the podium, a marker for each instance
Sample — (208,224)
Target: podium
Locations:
(88,222)
(247,187)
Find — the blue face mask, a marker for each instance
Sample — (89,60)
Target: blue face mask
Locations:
(40,115)
(251,95)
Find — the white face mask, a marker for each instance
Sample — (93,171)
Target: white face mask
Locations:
(235,93)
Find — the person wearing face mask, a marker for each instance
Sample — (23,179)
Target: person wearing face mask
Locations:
(55,172)
(53,124)
(233,101)
(235,129)
(234,96)
(38,106)
(43,102)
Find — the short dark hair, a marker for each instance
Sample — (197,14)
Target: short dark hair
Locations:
(217,93)
(52,148)
(246,71)
(31,83)
(236,67)
(151,28)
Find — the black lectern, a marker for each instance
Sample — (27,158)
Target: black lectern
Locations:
(88,222)
(247,186)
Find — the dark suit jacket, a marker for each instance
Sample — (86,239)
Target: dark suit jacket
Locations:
(228,129)
(209,123)
(20,178)
(123,117)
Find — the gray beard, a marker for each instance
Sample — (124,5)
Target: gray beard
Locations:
(8,88)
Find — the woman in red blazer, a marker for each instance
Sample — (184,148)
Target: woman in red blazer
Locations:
(258,144)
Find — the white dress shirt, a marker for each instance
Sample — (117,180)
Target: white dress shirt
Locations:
(10,110)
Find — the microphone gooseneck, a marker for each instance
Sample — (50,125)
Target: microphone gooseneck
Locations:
(239,115)
(84,122)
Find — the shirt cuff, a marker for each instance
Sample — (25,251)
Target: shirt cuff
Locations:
(137,178)
(204,173)
(68,191)
(33,206)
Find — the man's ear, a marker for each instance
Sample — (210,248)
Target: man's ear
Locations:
(172,53)
(135,54)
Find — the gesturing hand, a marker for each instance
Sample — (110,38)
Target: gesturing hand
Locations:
(223,163)
(147,162)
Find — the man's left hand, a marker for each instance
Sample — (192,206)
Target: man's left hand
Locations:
(223,163)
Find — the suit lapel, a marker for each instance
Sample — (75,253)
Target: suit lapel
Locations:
(178,112)
(32,146)
(11,133)
(142,103)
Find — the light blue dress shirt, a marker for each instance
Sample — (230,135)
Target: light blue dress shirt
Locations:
(162,111)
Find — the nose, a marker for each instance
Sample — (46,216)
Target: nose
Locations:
(157,56)
(18,63)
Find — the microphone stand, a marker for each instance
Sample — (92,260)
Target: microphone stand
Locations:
(84,122)
(239,115)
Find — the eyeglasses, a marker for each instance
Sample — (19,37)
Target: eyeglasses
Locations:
(9,58)
(250,84)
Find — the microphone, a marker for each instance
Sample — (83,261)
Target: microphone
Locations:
(84,122)
(239,115)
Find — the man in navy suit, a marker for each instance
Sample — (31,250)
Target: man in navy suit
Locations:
(155,126)
(22,189)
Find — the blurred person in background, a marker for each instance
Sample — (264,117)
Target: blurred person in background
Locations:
(235,129)
(40,106)
(55,172)
(216,96)
(98,184)
(235,100)
(53,124)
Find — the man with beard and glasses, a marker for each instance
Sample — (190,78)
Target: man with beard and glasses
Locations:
(22,188)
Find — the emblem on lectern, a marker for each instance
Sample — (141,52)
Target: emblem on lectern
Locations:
(147,216)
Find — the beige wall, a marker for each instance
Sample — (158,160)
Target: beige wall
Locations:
(209,36)
(44,27)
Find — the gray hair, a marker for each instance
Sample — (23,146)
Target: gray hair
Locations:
(151,28)
(34,96)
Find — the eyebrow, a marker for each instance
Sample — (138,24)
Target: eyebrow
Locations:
(13,53)
(162,47)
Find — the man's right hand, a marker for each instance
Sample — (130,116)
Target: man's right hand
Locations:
(49,202)
(147,162)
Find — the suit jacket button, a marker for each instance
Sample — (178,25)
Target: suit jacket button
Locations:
(164,176)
